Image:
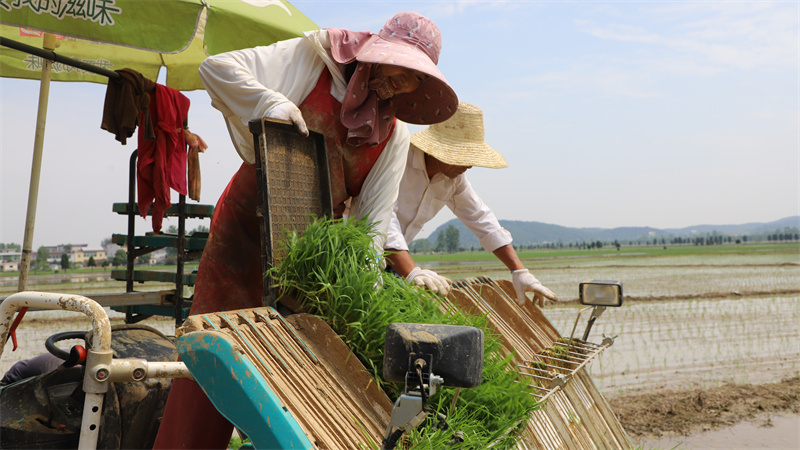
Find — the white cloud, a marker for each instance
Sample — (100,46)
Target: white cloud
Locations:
(726,35)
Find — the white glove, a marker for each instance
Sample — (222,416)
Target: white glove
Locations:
(289,111)
(524,281)
(430,280)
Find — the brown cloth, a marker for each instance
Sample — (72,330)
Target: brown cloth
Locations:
(193,160)
(125,98)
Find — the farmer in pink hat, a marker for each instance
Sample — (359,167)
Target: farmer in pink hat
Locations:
(350,86)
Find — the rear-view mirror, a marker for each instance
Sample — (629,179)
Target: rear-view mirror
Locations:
(601,293)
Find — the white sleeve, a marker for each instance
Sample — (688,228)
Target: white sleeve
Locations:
(394,236)
(380,188)
(246,84)
(470,209)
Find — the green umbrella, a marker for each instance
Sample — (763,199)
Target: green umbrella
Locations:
(136,34)
(141,35)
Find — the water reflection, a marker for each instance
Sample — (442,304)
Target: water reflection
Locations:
(57,279)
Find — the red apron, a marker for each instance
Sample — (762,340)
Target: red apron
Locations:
(230,275)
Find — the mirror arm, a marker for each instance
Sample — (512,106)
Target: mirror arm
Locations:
(596,313)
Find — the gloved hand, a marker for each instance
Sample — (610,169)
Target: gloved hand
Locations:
(289,111)
(524,281)
(430,280)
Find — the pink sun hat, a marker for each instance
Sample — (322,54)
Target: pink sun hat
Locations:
(408,40)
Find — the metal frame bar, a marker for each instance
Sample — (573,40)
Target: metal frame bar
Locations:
(53,56)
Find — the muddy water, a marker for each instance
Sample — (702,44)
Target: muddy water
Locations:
(692,343)
(775,432)
(38,282)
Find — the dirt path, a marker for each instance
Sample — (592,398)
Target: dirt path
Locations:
(647,416)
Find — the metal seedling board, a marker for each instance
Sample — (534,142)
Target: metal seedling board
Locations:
(574,414)
(293,186)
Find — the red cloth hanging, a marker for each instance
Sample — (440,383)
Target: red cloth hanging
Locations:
(161,162)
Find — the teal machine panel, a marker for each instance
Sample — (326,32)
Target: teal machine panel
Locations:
(242,395)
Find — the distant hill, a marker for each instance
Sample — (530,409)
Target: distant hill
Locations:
(526,233)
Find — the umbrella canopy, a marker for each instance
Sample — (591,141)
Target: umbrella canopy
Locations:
(142,35)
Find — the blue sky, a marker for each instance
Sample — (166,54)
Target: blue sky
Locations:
(662,114)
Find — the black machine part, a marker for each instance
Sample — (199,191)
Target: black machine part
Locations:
(45,411)
(75,355)
(429,351)
(456,352)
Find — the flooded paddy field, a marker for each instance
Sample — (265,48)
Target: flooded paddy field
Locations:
(691,318)
(687,344)
(690,324)
(653,275)
(726,314)
(80,283)
(37,326)
(707,347)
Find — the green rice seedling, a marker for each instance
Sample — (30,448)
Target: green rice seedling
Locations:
(332,270)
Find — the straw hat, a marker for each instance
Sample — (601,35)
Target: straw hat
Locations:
(459,140)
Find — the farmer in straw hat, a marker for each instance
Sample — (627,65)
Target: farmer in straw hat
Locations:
(351,87)
(434,177)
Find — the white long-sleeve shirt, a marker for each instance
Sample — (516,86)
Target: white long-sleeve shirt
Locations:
(421,198)
(247,84)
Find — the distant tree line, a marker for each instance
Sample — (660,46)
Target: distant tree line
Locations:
(447,241)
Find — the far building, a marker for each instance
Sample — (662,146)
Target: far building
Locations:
(158,256)
(81,256)
(78,254)
(57,250)
(9,261)
(111,250)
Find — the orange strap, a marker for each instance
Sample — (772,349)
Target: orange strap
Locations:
(13,331)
